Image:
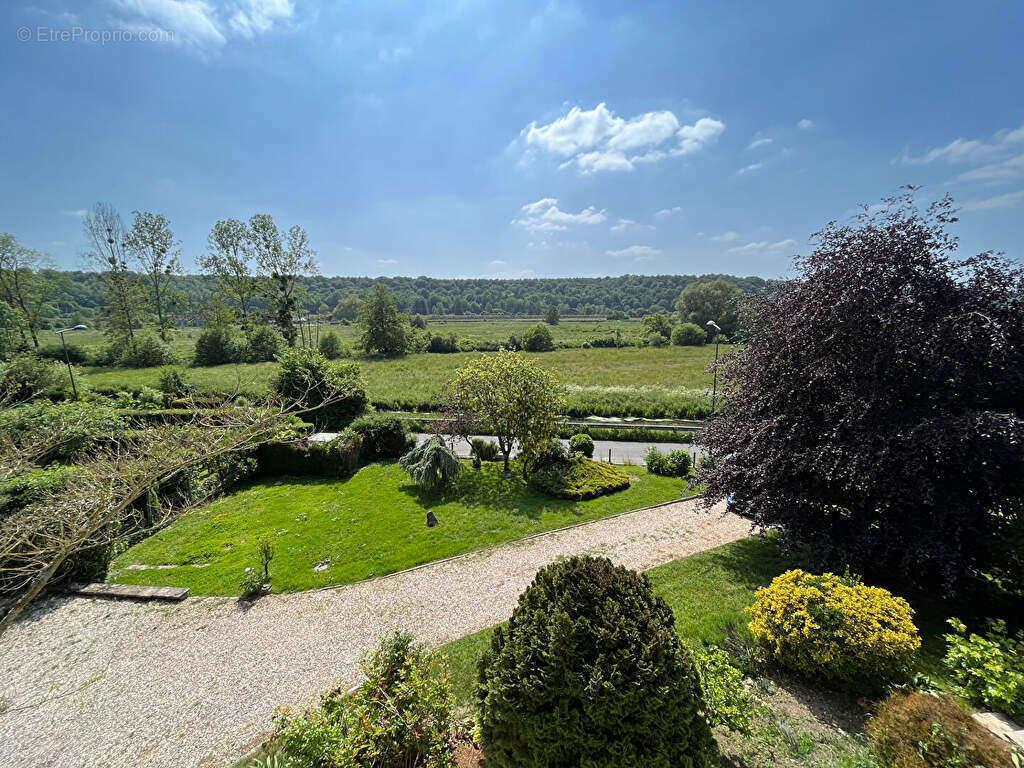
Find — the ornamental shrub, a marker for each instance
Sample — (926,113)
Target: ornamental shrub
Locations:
(672,464)
(989,669)
(538,339)
(216,346)
(689,335)
(835,628)
(582,443)
(432,465)
(726,700)
(918,730)
(334,390)
(579,478)
(485,450)
(400,716)
(589,672)
(384,436)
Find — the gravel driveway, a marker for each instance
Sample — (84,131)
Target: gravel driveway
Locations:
(92,682)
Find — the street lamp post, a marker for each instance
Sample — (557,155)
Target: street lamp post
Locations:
(67,357)
(714,386)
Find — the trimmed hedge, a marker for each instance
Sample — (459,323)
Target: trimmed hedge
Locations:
(579,479)
(339,458)
(589,671)
(675,463)
(384,436)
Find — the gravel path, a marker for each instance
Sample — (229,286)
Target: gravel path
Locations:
(91,682)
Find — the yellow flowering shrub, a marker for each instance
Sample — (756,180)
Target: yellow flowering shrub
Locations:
(835,628)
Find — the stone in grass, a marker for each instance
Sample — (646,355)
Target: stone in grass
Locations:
(431,519)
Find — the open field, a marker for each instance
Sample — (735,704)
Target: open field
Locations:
(666,382)
(368,525)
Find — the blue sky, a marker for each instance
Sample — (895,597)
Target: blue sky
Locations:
(511,139)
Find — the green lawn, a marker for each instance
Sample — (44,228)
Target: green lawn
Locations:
(655,382)
(368,525)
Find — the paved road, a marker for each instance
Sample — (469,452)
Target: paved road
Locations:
(622,451)
(86,682)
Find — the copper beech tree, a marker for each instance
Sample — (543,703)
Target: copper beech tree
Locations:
(876,410)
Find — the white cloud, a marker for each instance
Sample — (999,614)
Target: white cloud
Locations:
(625,225)
(200,24)
(497,263)
(669,211)
(971,150)
(387,261)
(805,124)
(636,253)
(597,140)
(764,246)
(726,237)
(759,143)
(80,212)
(1000,201)
(750,168)
(996,173)
(545,216)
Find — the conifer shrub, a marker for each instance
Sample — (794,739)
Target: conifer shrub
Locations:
(579,478)
(918,730)
(589,671)
(835,628)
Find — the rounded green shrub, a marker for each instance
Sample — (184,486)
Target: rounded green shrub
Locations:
(582,443)
(330,346)
(835,628)
(332,390)
(538,339)
(262,345)
(215,346)
(589,672)
(675,463)
(384,436)
(689,335)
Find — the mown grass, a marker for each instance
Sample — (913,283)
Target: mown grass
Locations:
(666,382)
(369,525)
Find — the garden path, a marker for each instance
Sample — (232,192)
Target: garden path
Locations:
(91,682)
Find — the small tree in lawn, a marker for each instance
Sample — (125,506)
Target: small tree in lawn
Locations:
(432,465)
(384,329)
(509,396)
(876,410)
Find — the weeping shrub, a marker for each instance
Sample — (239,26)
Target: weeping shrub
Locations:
(432,465)
(590,672)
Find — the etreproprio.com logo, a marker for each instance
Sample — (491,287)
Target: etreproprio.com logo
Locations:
(92,35)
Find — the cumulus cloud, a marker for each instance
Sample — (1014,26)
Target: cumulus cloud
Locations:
(597,140)
(545,216)
(764,246)
(201,25)
(636,253)
(726,237)
(999,201)
(78,212)
(805,124)
(759,143)
(996,173)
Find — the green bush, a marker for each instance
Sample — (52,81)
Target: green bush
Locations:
(262,345)
(726,700)
(77,355)
(579,479)
(589,671)
(835,628)
(21,491)
(485,450)
(251,584)
(330,346)
(171,382)
(72,428)
(149,352)
(917,730)
(443,344)
(384,436)
(672,464)
(988,670)
(400,716)
(432,465)
(340,457)
(26,377)
(582,443)
(538,339)
(216,346)
(334,390)
(689,335)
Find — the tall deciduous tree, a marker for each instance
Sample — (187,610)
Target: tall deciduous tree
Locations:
(717,300)
(122,294)
(383,328)
(509,396)
(876,411)
(23,284)
(228,258)
(281,261)
(151,244)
